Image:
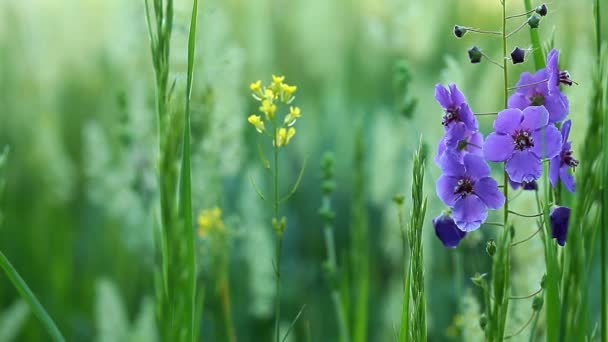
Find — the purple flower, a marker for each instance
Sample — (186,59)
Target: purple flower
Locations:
(459,143)
(534,90)
(447,231)
(522,139)
(561,163)
(469,190)
(556,76)
(457,111)
(525,185)
(560,219)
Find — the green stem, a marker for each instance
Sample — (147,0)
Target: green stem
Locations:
(604,226)
(31,299)
(335,291)
(279,235)
(539,56)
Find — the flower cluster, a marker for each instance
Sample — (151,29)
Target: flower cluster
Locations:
(210,221)
(526,134)
(269,96)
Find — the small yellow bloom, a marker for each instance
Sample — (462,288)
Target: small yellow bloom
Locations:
(288,90)
(284,136)
(269,109)
(278,80)
(294,114)
(269,94)
(256,86)
(209,221)
(257,122)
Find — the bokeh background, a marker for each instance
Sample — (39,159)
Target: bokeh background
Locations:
(79,206)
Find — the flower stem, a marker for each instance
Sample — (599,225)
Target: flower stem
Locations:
(279,235)
(520,15)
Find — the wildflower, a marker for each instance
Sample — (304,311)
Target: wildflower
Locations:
(533,185)
(287,92)
(284,136)
(447,231)
(210,220)
(542,10)
(459,143)
(537,94)
(457,110)
(562,163)
(522,139)
(560,219)
(294,114)
(268,108)
(256,87)
(257,122)
(469,189)
(556,76)
(277,80)
(518,55)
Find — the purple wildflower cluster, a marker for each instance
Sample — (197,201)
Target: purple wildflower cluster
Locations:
(526,134)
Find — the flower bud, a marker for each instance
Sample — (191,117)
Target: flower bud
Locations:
(475,55)
(478,279)
(518,55)
(542,10)
(398,199)
(460,31)
(542,281)
(537,303)
(491,247)
(483,321)
(534,21)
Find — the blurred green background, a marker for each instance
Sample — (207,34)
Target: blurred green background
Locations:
(80,204)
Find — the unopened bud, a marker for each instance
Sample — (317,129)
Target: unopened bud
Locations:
(478,279)
(537,303)
(534,21)
(491,247)
(518,55)
(459,31)
(483,321)
(475,55)
(542,10)
(398,199)
(542,281)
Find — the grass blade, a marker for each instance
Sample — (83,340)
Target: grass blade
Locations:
(31,299)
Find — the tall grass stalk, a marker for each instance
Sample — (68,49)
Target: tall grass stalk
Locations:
(177,300)
(359,242)
(537,50)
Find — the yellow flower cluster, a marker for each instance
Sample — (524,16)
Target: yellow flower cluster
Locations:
(270,96)
(210,221)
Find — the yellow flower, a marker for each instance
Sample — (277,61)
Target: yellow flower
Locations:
(288,90)
(256,86)
(257,122)
(269,94)
(278,80)
(269,109)
(294,114)
(210,221)
(284,136)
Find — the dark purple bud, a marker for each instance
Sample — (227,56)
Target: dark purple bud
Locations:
(534,21)
(518,55)
(530,185)
(475,55)
(542,10)
(560,219)
(447,231)
(459,31)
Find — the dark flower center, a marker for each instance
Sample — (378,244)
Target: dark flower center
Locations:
(464,186)
(568,159)
(523,140)
(564,78)
(451,115)
(537,99)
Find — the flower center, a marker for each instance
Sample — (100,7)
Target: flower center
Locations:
(568,159)
(464,186)
(537,99)
(564,78)
(451,115)
(523,140)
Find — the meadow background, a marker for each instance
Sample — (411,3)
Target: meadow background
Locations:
(79,204)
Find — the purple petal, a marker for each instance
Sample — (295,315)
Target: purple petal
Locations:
(553,70)
(547,142)
(560,219)
(457,96)
(519,100)
(476,167)
(487,190)
(475,144)
(440,151)
(498,147)
(524,166)
(469,213)
(567,178)
(554,170)
(445,189)
(468,117)
(455,133)
(558,107)
(566,131)
(514,185)
(508,120)
(451,167)
(535,118)
(442,95)
(447,231)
